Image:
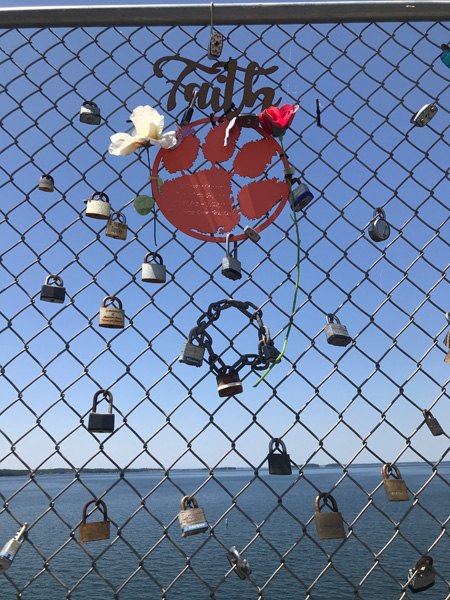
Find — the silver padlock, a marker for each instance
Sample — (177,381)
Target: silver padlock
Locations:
(337,334)
(231,266)
(154,272)
(433,424)
(53,293)
(116,227)
(422,576)
(98,209)
(10,549)
(111,316)
(379,229)
(300,197)
(190,353)
(252,234)
(46,183)
(90,113)
(424,115)
(240,565)
(215,45)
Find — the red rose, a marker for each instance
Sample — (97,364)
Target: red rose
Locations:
(276,120)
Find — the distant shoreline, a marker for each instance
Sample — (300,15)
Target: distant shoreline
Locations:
(61,471)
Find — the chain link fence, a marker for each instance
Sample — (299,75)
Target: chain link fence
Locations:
(342,412)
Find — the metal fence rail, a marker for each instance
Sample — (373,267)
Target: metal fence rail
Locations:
(364,70)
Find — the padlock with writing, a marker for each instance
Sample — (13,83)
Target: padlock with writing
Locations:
(329,525)
(215,45)
(110,315)
(231,266)
(379,229)
(93,532)
(53,293)
(11,548)
(396,490)
(337,334)
(229,384)
(116,227)
(422,576)
(153,272)
(424,115)
(300,197)
(279,462)
(190,353)
(433,423)
(241,565)
(90,113)
(46,183)
(192,518)
(98,209)
(101,422)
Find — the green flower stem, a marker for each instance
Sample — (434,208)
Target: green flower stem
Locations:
(294,303)
(154,207)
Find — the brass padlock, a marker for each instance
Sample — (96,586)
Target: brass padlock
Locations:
(53,293)
(192,520)
(229,384)
(433,424)
(116,227)
(111,316)
(329,525)
(422,576)
(101,422)
(93,532)
(154,272)
(46,183)
(396,490)
(98,209)
(337,334)
(279,462)
(90,113)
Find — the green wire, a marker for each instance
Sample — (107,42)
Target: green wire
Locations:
(153,209)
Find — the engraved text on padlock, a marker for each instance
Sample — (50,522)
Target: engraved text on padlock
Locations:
(116,227)
(110,316)
(396,490)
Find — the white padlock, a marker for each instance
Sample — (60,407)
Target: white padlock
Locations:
(154,272)
(98,209)
(46,183)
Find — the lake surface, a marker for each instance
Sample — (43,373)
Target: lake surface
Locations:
(270,516)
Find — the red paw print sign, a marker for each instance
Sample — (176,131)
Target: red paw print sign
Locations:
(211,189)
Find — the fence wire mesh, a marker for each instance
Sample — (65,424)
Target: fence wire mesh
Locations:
(174,436)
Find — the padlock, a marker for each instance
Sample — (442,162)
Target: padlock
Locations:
(422,576)
(445,56)
(329,525)
(53,293)
(289,173)
(379,229)
(396,490)
(266,349)
(279,462)
(337,334)
(300,197)
(154,272)
(10,549)
(432,423)
(240,565)
(215,45)
(190,353)
(229,384)
(231,266)
(101,422)
(424,115)
(186,119)
(46,183)
(252,234)
(116,227)
(98,209)
(110,316)
(90,113)
(247,120)
(192,520)
(447,337)
(93,532)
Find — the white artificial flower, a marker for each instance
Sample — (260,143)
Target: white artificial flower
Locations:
(148,126)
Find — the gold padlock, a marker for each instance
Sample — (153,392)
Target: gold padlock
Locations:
(329,525)
(396,490)
(229,384)
(116,227)
(92,532)
(111,316)
(192,520)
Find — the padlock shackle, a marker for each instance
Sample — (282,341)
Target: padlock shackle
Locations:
(89,103)
(56,278)
(101,507)
(155,256)
(101,196)
(96,401)
(193,332)
(326,497)
(228,247)
(22,530)
(447,316)
(118,216)
(113,299)
(379,212)
(427,413)
(186,501)
(331,318)
(47,176)
(277,442)
(387,470)
(422,561)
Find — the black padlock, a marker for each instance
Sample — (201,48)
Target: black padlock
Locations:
(101,422)
(53,293)
(266,349)
(279,462)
